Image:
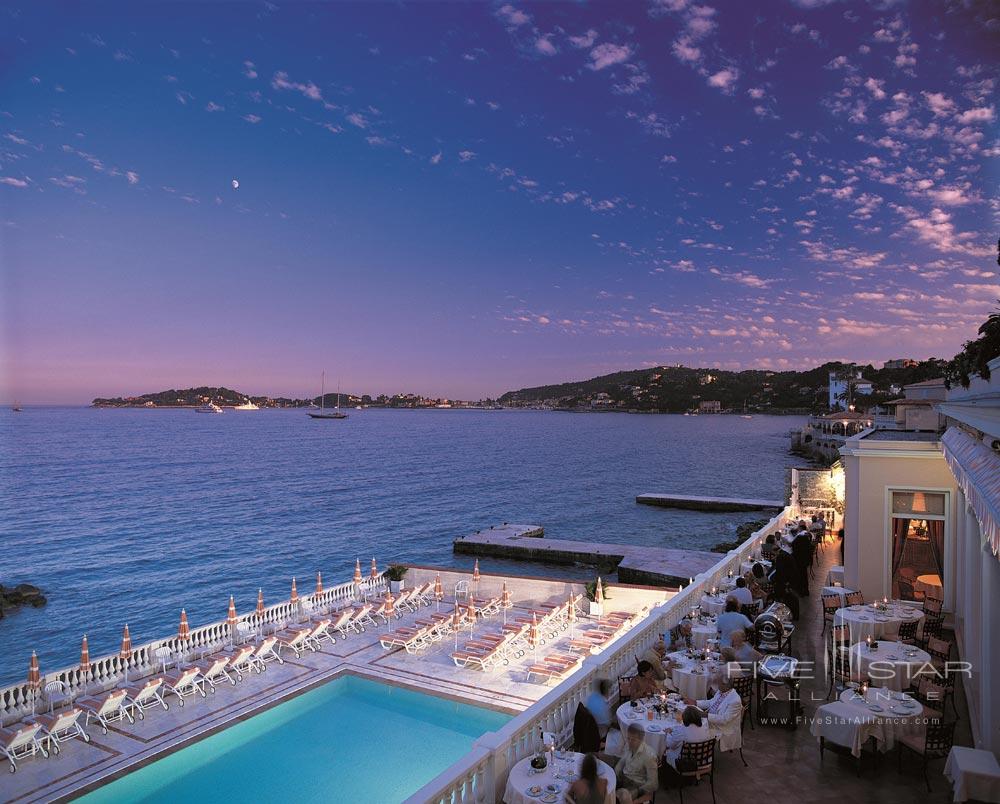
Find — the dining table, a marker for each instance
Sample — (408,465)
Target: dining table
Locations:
(929,584)
(895,713)
(894,665)
(692,673)
(835,576)
(841,591)
(657,726)
(713,604)
(525,785)
(877,620)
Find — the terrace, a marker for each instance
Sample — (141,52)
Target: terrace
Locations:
(82,765)
(782,764)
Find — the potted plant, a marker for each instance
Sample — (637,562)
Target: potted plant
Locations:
(395,575)
(596,608)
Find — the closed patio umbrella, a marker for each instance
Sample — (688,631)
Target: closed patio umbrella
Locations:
(231,620)
(438,592)
(319,583)
(260,603)
(34,680)
(184,630)
(472,613)
(533,632)
(85,665)
(475,572)
(599,591)
(390,608)
(125,652)
(505,601)
(295,593)
(374,572)
(357,570)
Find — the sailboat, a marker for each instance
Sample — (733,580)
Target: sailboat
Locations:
(745,414)
(17,407)
(336,414)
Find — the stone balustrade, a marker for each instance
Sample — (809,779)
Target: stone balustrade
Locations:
(109,671)
(480,776)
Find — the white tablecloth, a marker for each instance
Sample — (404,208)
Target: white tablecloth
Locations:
(842,724)
(895,714)
(747,566)
(561,773)
(713,604)
(842,591)
(974,773)
(701,633)
(891,658)
(930,585)
(865,621)
(658,730)
(692,677)
(835,576)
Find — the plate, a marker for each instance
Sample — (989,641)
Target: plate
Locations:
(552,788)
(550,798)
(534,791)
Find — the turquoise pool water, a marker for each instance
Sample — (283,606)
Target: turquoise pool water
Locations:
(350,740)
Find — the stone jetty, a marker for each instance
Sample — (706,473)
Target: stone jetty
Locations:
(695,503)
(655,566)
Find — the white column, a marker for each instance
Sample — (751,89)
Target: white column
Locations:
(989,714)
(972,632)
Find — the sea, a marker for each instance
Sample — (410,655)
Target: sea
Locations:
(129,515)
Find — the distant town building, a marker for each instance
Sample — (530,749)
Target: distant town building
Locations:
(905,362)
(844,385)
(710,406)
(601,400)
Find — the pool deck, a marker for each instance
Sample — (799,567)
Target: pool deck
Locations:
(81,766)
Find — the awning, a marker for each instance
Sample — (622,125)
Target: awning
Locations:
(977,470)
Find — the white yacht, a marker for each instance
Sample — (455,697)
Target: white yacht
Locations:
(211,407)
(247,405)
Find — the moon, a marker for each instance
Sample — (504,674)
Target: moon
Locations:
(236,185)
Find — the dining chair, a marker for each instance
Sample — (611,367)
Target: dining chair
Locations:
(830,605)
(934,743)
(701,758)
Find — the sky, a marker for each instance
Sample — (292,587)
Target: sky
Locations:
(460,199)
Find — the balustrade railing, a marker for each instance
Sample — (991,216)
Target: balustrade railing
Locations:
(479,777)
(108,671)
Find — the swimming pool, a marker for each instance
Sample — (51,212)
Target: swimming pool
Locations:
(349,740)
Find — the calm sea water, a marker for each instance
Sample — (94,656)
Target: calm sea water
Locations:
(130,515)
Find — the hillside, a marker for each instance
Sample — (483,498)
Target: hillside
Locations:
(678,388)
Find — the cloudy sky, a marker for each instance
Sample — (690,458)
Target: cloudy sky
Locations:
(457,199)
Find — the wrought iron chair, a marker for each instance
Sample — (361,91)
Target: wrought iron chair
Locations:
(701,758)
(933,744)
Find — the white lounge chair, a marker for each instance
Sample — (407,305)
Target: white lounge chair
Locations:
(342,623)
(265,653)
(242,662)
(109,709)
(142,698)
(319,632)
(363,618)
(216,672)
(185,684)
(297,640)
(62,727)
(21,742)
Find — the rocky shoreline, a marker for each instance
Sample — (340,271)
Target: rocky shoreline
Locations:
(24,594)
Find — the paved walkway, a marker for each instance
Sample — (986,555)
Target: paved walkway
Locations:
(785,765)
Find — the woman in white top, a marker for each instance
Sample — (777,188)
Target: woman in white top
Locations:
(693,730)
